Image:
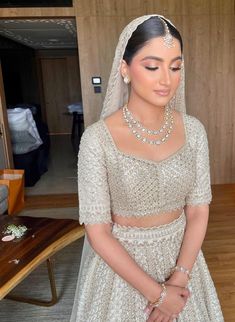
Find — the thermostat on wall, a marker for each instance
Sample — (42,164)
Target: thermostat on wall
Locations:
(96,80)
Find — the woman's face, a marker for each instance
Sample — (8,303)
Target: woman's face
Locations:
(154,72)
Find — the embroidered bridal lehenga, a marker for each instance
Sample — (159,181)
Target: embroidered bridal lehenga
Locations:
(113,181)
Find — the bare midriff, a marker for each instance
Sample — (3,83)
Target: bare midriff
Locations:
(148,221)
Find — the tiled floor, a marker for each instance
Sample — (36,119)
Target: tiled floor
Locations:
(61,176)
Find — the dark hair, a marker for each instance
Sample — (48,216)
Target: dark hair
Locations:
(151,28)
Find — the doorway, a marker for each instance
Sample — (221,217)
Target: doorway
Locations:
(42,72)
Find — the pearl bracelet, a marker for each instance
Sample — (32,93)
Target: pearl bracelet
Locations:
(182,269)
(161,298)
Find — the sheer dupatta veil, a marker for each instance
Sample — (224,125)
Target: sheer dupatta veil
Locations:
(116,97)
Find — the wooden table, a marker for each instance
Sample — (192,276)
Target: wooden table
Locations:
(19,257)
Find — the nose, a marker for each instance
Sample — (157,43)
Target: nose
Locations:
(165,77)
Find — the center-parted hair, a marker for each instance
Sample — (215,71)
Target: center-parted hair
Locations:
(151,28)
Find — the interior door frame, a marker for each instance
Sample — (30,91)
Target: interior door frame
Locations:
(4,127)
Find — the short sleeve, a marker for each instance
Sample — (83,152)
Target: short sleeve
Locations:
(93,190)
(201,192)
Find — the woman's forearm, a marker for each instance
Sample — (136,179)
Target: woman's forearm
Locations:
(116,256)
(196,226)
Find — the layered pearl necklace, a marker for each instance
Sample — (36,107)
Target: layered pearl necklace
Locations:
(135,125)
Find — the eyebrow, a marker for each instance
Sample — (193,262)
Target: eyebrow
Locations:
(160,59)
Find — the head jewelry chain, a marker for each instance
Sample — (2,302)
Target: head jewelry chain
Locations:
(168,39)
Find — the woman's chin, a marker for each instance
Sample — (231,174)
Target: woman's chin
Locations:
(163,101)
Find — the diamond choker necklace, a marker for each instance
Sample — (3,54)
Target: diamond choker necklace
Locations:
(134,124)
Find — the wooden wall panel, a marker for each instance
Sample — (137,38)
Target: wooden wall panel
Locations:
(61,86)
(74,81)
(208,32)
(96,58)
(192,7)
(166,7)
(222,7)
(180,7)
(221,76)
(209,64)
(89,65)
(36,12)
(114,8)
(55,80)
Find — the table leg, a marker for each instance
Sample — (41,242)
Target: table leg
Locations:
(54,298)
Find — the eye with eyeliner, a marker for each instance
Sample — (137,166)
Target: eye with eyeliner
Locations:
(151,68)
(175,69)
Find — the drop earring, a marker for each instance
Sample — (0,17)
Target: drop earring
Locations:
(126,80)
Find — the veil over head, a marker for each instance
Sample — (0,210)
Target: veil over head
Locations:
(116,96)
(117,91)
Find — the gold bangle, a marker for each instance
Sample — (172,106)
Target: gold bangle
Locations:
(161,298)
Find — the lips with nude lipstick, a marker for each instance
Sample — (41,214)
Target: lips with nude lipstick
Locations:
(162,92)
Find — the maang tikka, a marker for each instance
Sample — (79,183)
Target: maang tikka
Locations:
(168,38)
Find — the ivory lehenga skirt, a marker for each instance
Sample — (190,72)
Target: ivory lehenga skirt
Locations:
(104,296)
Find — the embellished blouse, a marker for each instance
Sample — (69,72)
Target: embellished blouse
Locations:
(112,181)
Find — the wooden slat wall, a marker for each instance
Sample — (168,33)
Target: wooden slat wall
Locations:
(140,7)
(61,87)
(208,30)
(36,12)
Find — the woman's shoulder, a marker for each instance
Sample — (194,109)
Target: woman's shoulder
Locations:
(195,125)
(196,130)
(92,135)
(92,130)
(193,120)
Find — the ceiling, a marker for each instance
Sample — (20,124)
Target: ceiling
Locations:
(41,33)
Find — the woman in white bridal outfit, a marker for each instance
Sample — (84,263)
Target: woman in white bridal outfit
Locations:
(144,191)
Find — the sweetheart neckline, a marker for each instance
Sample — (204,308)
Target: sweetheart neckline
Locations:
(139,158)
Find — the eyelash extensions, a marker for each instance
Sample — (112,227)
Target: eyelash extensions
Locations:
(174,69)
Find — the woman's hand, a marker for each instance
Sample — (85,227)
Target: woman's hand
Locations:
(178,279)
(172,305)
(158,316)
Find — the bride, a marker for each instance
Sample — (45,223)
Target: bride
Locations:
(144,191)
